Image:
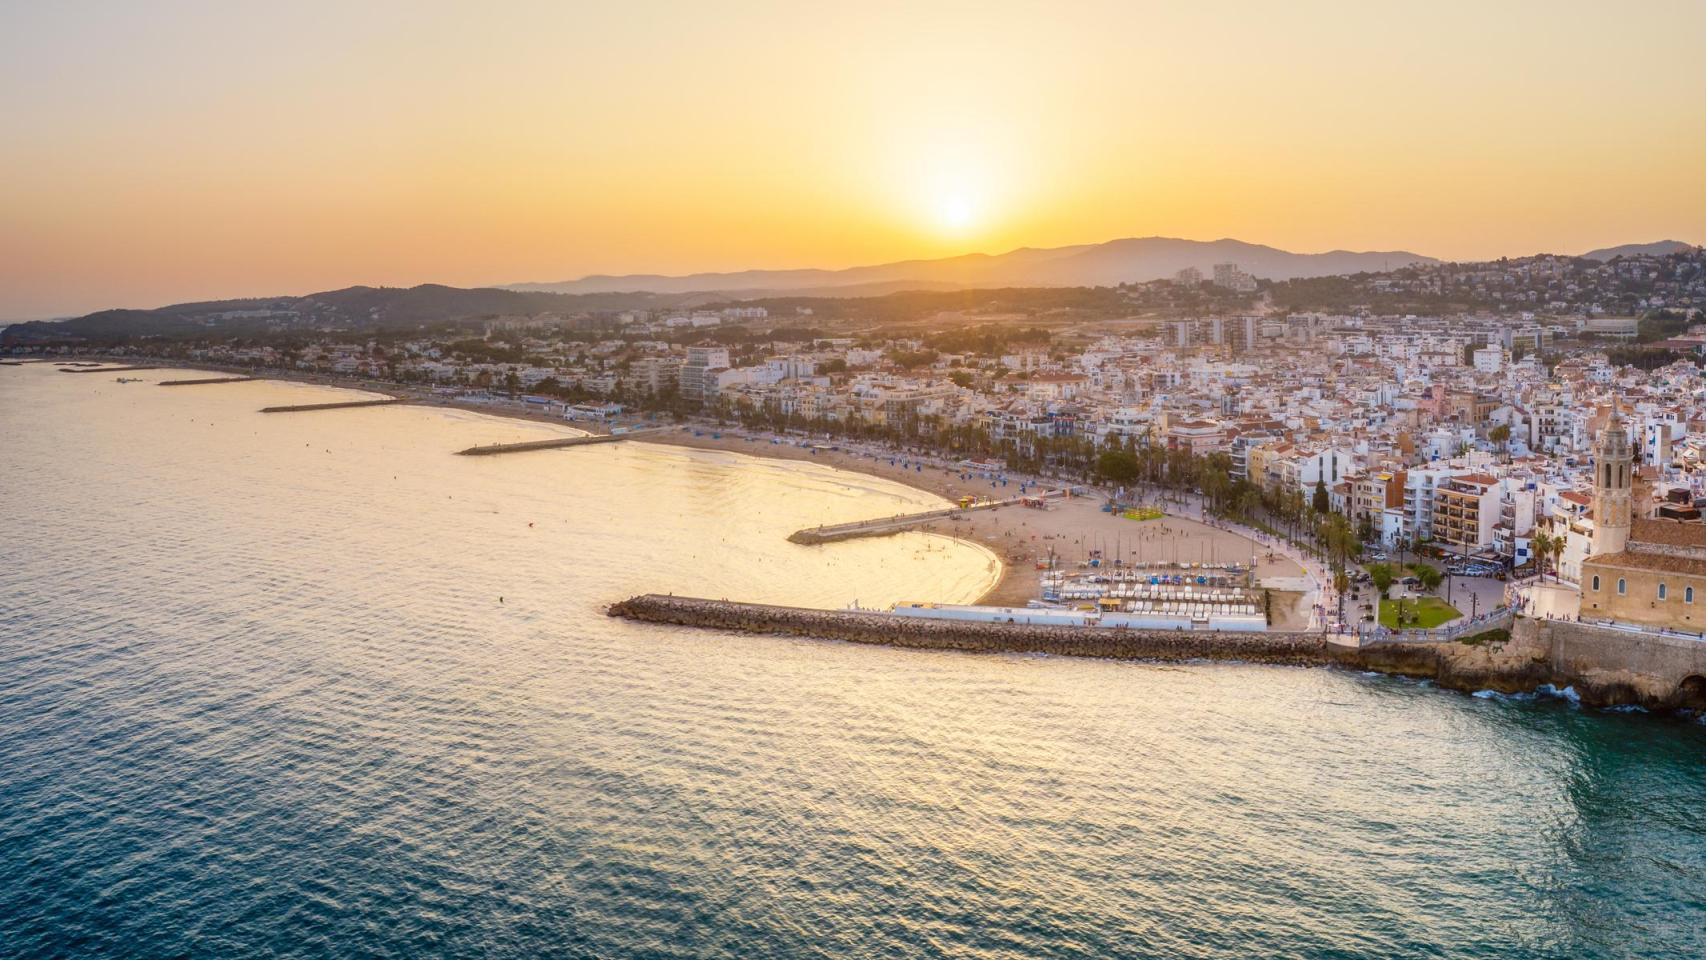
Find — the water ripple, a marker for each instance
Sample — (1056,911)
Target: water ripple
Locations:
(259,697)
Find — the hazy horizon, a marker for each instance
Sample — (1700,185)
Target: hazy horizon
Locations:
(261,294)
(195,151)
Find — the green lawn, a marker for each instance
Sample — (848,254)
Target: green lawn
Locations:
(1422,613)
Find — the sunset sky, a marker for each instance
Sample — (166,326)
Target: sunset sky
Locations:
(156,152)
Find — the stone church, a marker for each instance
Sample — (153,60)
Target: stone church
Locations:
(1639,570)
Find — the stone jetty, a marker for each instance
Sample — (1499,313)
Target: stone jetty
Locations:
(1601,666)
(883,526)
(554,443)
(344,405)
(492,449)
(101,369)
(206,380)
(856,626)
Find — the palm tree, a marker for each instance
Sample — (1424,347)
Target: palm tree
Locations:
(1501,435)
(1559,542)
(1541,547)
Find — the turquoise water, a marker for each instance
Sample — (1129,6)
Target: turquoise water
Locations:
(259,697)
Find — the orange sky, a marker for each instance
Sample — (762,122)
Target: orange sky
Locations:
(189,151)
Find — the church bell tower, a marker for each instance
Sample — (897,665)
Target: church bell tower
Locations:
(1612,503)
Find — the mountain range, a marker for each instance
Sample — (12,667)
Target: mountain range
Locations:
(1132,260)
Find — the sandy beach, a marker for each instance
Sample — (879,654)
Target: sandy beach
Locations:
(1068,529)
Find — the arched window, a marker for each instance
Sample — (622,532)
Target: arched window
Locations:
(1596,581)
(1664,591)
(1687,594)
(1622,586)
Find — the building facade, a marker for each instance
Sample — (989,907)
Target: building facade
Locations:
(1646,572)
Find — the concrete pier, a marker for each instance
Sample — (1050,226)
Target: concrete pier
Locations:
(883,526)
(206,380)
(344,405)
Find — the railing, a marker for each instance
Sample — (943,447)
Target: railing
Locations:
(1500,618)
(1641,628)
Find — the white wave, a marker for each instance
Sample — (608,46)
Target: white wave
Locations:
(1496,695)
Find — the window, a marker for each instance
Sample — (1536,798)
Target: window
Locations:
(1687,594)
(1664,591)
(1622,586)
(1596,581)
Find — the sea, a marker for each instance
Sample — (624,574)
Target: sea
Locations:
(310,685)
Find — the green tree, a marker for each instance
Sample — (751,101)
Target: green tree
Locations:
(1540,545)
(1382,575)
(1429,576)
(1338,540)
(1501,435)
(1117,466)
(1321,502)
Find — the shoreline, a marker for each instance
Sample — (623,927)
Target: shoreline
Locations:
(1009,584)
(1593,666)
(1016,538)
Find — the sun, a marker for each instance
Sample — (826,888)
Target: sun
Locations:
(957,212)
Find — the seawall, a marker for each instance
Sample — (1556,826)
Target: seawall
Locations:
(1605,667)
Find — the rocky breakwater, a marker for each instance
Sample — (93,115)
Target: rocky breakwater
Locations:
(853,626)
(1604,667)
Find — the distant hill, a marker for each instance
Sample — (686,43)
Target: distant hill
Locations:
(363,308)
(1659,249)
(1132,260)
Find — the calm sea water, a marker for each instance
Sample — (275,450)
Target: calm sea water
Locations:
(307,685)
